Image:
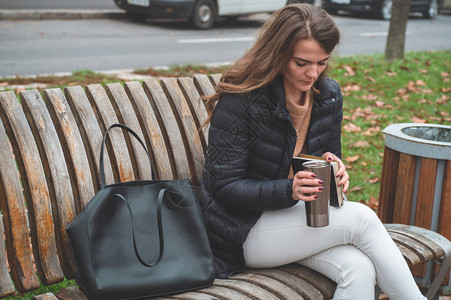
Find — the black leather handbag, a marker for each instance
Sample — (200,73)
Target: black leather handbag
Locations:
(141,239)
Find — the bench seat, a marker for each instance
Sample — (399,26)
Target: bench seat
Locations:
(49,149)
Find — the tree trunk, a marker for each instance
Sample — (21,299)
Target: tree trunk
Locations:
(397,31)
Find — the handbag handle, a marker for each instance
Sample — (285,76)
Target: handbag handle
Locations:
(160,227)
(101,167)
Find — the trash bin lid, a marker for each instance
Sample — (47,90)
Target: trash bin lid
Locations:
(425,140)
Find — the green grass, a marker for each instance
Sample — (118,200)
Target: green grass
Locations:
(376,94)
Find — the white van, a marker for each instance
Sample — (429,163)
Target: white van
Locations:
(201,13)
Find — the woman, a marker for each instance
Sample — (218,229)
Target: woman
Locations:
(272,104)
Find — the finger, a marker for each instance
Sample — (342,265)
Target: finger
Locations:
(346,186)
(308,182)
(309,190)
(344,179)
(304,174)
(308,198)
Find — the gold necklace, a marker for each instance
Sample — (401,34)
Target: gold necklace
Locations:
(299,125)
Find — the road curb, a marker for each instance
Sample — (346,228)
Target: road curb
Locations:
(60,14)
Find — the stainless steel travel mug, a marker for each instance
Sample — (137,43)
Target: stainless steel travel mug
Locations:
(318,210)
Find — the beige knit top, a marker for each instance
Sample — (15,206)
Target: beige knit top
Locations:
(300,117)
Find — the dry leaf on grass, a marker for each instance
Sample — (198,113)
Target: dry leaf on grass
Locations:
(349,70)
(356,189)
(372,131)
(373,180)
(416,119)
(351,88)
(351,128)
(373,203)
(360,144)
(351,159)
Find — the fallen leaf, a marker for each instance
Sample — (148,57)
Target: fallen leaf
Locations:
(349,70)
(380,104)
(370,97)
(351,159)
(372,131)
(351,128)
(391,73)
(420,82)
(351,88)
(360,144)
(373,203)
(356,189)
(416,119)
(442,99)
(373,180)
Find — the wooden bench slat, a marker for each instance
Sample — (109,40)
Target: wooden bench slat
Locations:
(196,106)
(425,198)
(187,126)
(153,137)
(203,85)
(280,290)
(404,188)
(46,296)
(444,227)
(388,184)
(57,174)
(411,257)
(323,284)
(224,293)
(215,79)
(302,287)
(190,296)
(7,286)
(90,132)
(70,293)
(72,145)
(127,116)
(431,245)
(119,154)
(169,128)
(35,188)
(16,230)
(424,253)
(247,288)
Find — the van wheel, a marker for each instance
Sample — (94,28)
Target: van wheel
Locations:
(204,14)
(432,11)
(300,1)
(120,3)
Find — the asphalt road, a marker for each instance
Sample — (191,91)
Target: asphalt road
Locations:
(57,4)
(52,46)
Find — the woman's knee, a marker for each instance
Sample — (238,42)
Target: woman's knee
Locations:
(346,265)
(361,216)
(358,269)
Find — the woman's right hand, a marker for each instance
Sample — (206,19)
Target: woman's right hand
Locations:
(306,185)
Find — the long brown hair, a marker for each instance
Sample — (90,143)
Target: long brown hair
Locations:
(274,48)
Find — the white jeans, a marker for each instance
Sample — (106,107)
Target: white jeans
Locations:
(355,250)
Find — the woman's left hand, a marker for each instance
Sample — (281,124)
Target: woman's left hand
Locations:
(344,181)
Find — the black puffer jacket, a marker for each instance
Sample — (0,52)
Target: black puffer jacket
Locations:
(251,144)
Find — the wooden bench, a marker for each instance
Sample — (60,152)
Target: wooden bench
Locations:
(49,149)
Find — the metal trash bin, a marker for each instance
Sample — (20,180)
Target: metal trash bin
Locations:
(416,181)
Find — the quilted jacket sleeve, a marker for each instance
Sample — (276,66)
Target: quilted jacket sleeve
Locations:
(226,174)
